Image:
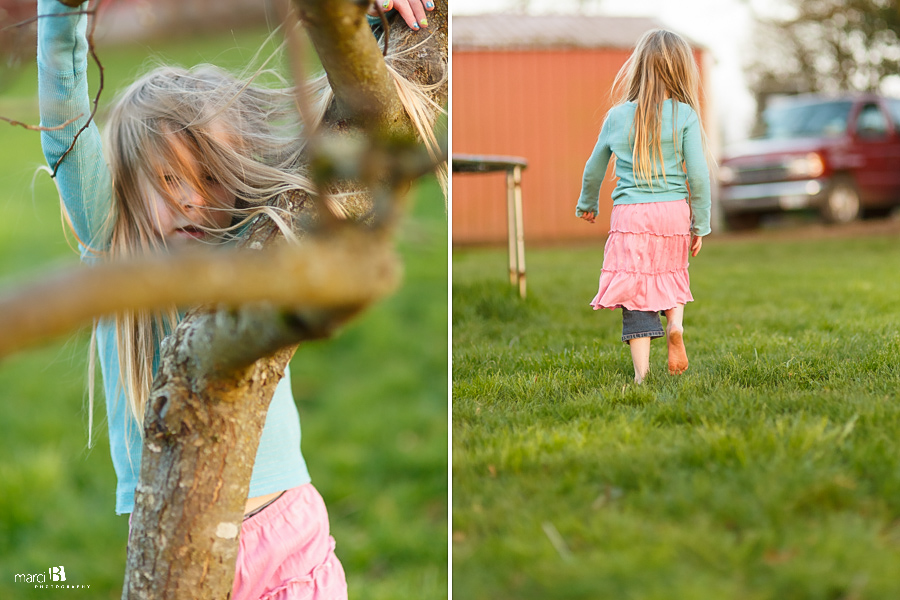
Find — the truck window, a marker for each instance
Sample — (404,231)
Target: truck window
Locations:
(822,119)
(871,122)
(894,108)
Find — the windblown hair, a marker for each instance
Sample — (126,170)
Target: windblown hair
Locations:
(244,136)
(661,65)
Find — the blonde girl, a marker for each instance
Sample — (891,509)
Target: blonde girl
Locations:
(661,200)
(189,157)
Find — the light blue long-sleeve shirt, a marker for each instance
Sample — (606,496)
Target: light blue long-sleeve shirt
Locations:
(85,186)
(683,163)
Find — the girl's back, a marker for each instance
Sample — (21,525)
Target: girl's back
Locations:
(678,123)
(677,170)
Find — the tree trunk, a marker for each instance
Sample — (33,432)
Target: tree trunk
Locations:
(200,439)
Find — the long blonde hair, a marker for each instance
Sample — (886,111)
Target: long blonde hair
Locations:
(662,65)
(245,136)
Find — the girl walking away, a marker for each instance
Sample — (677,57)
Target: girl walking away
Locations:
(189,156)
(661,201)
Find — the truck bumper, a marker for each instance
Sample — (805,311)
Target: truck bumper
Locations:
(775,196)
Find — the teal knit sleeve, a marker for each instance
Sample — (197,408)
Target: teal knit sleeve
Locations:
(83,178)
(697,175)
(594,172)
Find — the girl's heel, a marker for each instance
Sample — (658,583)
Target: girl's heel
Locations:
(678,361)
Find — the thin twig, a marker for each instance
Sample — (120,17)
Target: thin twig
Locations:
(70,121)
(34,19)
(40,127)
(384,24)
(92,50)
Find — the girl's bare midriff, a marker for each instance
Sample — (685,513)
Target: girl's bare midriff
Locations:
(254,503)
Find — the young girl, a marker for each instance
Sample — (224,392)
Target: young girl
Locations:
(189,157)
(661,200)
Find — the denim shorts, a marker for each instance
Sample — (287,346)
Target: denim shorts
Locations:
(640,324)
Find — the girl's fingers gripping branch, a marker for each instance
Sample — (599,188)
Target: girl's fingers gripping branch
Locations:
(412,11)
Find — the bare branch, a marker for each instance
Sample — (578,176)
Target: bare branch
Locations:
(364,92)
(385,24)
(39,127)
(92,13)
(351,271)
(36,17)
(90,39)
(367,100)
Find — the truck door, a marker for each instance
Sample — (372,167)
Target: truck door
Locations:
(878,178)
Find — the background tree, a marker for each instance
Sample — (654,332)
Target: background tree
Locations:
(825,46)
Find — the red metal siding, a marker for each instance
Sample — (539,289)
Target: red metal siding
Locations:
(546,106)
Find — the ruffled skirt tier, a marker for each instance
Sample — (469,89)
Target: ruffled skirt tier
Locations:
(645,261)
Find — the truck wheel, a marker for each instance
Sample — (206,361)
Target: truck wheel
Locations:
(842,204)
(879,212)
(742,221)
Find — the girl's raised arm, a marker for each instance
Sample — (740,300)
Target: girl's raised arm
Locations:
(697,175)
(83,179)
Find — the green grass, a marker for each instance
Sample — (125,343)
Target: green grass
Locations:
(770,470)
(373,401)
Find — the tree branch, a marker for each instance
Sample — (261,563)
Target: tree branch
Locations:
(352,270)
(92,13)
(93,52)
(364,92)
(39,127)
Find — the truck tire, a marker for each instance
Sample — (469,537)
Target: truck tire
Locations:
(742,221)
(842,204)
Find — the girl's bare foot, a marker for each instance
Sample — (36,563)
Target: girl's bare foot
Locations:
(678,361)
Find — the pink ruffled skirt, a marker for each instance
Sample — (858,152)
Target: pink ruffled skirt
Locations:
(645,261)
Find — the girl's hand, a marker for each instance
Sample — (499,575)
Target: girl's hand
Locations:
(696,244)
(412,11)
(588,216)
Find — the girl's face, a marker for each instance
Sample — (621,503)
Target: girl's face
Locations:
(183,216)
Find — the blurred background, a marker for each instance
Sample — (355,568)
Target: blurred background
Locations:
(532,79)
(373,401)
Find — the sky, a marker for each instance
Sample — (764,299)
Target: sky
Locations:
(723,26)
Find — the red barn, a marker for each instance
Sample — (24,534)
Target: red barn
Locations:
(536,87)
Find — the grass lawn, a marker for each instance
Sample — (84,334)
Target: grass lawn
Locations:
(373,401)
(770,470)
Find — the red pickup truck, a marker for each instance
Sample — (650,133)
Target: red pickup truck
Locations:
(839,155)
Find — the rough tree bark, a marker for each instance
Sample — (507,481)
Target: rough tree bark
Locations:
(208,404)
